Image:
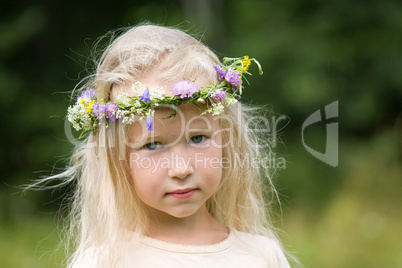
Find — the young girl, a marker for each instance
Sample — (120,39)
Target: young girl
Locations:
(170,173)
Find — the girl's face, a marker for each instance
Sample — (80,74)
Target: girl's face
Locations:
(177,167)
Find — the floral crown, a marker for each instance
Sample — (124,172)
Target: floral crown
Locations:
(87,114)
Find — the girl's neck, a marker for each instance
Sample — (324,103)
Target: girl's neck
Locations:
(198,229)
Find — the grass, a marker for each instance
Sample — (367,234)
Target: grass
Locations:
(30,243)
(358,222)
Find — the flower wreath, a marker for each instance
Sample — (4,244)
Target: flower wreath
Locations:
(87,114)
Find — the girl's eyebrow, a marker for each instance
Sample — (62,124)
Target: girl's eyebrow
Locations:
(147,138)
(199,131)
(200,124)
(139,144)
(152,138)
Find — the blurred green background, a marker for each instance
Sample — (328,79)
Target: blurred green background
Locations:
(313,53)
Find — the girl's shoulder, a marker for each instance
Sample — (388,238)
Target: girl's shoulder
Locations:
(266,247)
(255,239)
(89,258)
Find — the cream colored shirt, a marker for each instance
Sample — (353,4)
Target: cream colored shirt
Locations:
(239,250)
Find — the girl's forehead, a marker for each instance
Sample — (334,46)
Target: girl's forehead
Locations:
(186,116)
(172,122)
(188,111)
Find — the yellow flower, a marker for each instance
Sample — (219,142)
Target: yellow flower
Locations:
(246,63)
(89,107)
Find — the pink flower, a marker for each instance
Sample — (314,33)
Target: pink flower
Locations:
(233,78)
(185,89)
(221,72)
(111,110)
(219,95)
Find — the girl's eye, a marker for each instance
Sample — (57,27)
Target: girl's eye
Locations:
(153,145)
(198,139)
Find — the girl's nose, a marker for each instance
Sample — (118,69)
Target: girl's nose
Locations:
(181,165)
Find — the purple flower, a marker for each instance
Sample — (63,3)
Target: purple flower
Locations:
(111,110)
(105,111)
(88,94)
(185,89)
(145,96)
(150,123)
(219,95)
(220,71)
(99,110)
(233,78)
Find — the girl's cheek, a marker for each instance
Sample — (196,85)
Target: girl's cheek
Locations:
(139,162)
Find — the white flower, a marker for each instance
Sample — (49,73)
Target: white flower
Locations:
(129,119)
(158,93)
(137,86)
(78,117)
(123,98)
(201,100)
(217,108)
(230,100)
(121,113)
(137,104)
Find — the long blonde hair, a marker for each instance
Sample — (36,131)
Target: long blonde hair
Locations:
(105,205)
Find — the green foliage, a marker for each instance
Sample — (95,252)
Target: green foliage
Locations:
(31,244)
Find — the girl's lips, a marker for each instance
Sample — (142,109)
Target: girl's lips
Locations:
(182,193)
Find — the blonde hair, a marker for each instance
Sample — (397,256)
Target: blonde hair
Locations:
(105,205)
